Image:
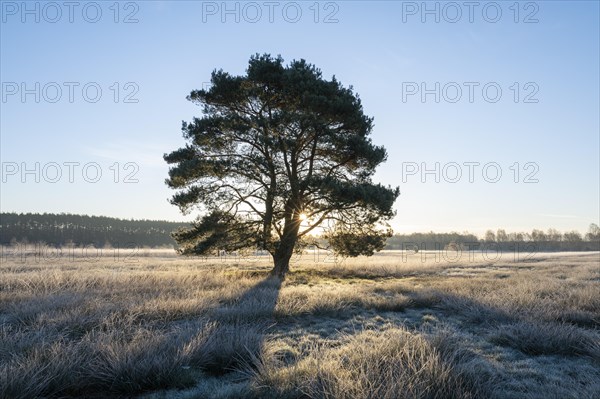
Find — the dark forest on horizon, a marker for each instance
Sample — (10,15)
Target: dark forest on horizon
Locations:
(60,230)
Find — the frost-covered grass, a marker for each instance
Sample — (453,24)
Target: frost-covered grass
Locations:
(389,326)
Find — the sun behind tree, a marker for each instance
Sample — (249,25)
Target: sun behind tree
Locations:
(277,153)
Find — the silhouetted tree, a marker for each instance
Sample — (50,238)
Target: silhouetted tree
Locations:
(593,233)
(572,236)
(516,237)
(501,235)
(277,153)
(538,235)
(554,235)
(490,236)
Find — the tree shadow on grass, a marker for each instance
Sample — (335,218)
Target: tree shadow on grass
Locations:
(461,333)
(233,347)
(240,328)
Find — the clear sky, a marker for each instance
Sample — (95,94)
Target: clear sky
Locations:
(543,56)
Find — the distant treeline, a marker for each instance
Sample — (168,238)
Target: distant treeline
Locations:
(430,241)
(99,231)
(82,230)
(538,240)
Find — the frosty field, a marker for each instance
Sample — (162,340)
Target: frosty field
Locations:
(156,325)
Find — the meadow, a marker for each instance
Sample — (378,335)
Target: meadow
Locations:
(154,325)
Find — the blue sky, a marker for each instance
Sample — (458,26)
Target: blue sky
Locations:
(383,49)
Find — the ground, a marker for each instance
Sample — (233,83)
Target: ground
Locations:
(154,325)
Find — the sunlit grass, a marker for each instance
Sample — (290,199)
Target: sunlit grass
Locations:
(164,326)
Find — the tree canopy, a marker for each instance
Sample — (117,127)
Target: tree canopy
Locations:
(278,155)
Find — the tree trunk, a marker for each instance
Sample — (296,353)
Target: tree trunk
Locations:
(281,267)
(285,249)
(281,259)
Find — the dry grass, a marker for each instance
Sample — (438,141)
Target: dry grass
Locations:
(370,364)
(382,327)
